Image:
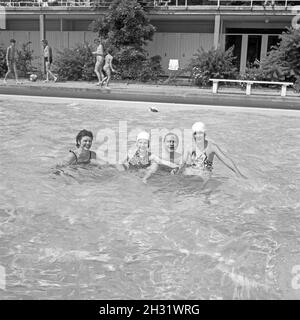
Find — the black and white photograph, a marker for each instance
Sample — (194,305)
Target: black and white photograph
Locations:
(150,152)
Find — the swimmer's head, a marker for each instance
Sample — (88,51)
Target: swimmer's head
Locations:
(84,136)
(143,140)
(199,130)
(171,142)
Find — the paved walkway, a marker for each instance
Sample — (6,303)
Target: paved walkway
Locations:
(184,94)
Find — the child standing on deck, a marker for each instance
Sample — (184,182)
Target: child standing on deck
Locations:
(108,68)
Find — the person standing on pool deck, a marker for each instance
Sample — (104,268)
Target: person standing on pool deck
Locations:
(99,53)
(48,60)
(108,68)
(11,61)
(200,161)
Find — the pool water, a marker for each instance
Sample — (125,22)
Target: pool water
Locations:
(99,234)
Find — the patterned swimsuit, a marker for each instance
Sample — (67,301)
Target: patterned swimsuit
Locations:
(201,161)
(139,162)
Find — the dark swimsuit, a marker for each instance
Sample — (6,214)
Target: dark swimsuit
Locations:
(87,161)
(46,60)
(138,162)
(201,162)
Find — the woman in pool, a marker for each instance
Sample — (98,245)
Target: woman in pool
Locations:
(83,154)
(200,161)
(142,159)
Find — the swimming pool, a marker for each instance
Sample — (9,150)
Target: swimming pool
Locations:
(100,234)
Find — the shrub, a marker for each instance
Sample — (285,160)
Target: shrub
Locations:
(214,63)
(297,84)
(75,63)
(3,67)
(151,69)
(254,72)
(24,60)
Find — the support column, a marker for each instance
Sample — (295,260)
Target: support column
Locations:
(244,53)
(42,37)
(61,25)
(217,31)
(264,46)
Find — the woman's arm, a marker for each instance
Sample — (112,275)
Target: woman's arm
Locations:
(151,170)
(7,54)
(110,64)
(226,160)
(185,161)
(164,162)
(70,159)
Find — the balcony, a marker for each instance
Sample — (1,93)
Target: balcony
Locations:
(160,5)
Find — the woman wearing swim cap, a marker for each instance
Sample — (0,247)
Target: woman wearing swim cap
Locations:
(200,160)
(142,159)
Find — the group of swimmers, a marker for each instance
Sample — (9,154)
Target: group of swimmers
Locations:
(103,62)
(197,162)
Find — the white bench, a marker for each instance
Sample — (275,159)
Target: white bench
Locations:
(284,85)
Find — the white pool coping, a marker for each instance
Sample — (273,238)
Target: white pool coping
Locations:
(137,104)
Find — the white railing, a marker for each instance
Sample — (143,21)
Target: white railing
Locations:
(154,3)
(219,3)
(56,3)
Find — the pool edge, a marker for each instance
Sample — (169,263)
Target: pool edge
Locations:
(186,97)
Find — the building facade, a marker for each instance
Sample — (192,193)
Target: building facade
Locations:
(182,26)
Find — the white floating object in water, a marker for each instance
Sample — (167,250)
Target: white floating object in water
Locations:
(153,109)
(73,104)
(33,77)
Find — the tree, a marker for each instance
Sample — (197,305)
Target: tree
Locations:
(126,30)
(283,61)
(125,24)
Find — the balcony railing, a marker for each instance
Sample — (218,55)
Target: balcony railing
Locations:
(219,3)
(56,3)
(167,4)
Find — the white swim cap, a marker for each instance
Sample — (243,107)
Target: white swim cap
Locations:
(143,135)
(198,127)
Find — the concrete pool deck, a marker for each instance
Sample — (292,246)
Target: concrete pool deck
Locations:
(227,96)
